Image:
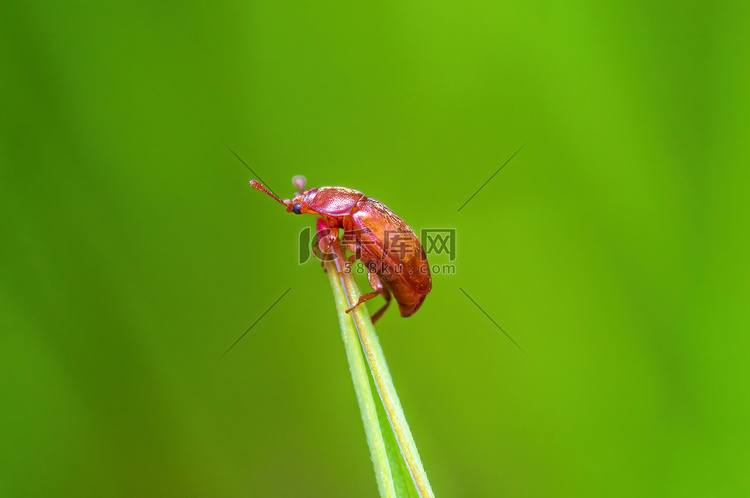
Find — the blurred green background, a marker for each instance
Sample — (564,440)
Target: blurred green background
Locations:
(612,248)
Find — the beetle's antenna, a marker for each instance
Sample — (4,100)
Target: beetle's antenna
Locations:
(299,182)
(246,165)
(262,188)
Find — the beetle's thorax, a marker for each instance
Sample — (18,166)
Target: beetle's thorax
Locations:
(328,201)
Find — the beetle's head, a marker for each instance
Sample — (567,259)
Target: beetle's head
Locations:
(299,203)
(303,198)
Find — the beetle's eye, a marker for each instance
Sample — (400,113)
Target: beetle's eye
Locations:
(296,210)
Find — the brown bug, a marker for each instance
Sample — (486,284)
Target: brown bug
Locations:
(389,249)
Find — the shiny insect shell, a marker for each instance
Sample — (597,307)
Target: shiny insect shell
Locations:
(388,248)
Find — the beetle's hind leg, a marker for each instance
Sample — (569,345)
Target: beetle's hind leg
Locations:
(379,289)
(387,295)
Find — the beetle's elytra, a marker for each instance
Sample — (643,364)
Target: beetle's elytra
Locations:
(389,249)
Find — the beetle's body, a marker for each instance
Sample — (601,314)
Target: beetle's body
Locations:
(389,249)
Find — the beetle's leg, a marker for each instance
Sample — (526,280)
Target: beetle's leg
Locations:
(324,237)
(324,241)
(362,299)
(319,243)
(387,295)
(327,244)
(379,289)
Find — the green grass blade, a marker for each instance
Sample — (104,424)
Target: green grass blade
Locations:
(361,380)
(383,381)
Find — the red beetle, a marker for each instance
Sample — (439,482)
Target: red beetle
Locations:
(389,249)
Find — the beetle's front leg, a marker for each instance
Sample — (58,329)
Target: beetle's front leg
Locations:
(325,236)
